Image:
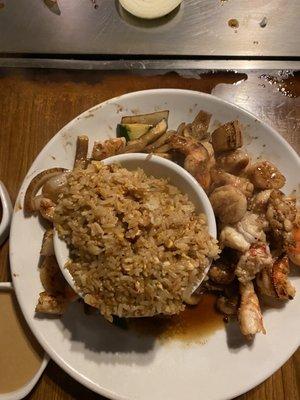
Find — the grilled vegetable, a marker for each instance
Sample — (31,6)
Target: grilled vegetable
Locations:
(149,119)
(132,131)
(227,137)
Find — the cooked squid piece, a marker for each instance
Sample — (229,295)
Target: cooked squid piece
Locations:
(227,137)
(32,204)
(234,161)
(273,281)
(47,208)
(108,148)
(265,175)
(228,203)
(259,202)
(197,160)
(249,313)
(82,146)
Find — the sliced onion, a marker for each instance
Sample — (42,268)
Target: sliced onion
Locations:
(149,9)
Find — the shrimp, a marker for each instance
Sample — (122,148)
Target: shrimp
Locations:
(230,237)
(281,215)
(273,280)
(108,148)
(265,175)
(221,178)
(228,203)
(46,208)
(253,261)
(197,160)
(51,304)
(249,313)
(55,186)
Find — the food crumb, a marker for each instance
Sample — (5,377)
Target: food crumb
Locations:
(263,22)
(15,275)
(53,158)
(255,42)
(233,23)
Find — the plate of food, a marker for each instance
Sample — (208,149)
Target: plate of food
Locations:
(115,258)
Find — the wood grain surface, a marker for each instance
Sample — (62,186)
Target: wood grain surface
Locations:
(35,104)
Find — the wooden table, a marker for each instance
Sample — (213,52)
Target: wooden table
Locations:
(35,104)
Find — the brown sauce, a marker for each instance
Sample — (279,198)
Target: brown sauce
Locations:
(20,354)
(195,323)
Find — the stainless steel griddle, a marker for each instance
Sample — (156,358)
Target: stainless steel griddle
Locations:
(267,28)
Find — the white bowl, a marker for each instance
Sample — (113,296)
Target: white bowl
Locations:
(160,168)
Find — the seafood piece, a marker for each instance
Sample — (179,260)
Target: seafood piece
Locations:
(51,276)
(230,237)
(180,128)
(221,178)
(281,215)
(54,186)
(47,208)
(47,243)
(294,251)
(259,202)
(265,175)
(233,161)
(273,281)
(249,313)
(227,137)
(82,146)
(197,159)
(51,304)
(227,306)
(253,261)
(229,204)
(30,203)
(108,148)
(221,273)
(252,226)
(211,152)
(151,136)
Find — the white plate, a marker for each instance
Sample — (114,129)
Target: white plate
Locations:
(119,364)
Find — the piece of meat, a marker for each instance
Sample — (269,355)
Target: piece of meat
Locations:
(253,261)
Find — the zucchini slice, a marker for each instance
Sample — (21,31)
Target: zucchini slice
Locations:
(132,131)
(149,119)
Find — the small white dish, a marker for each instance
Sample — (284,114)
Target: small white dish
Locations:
(159,168)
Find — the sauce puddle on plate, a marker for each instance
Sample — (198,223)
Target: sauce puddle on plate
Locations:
(195,323)
(21,356)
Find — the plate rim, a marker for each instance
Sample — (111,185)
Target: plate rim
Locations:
(52,353)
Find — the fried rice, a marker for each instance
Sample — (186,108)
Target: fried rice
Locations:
(136,244)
